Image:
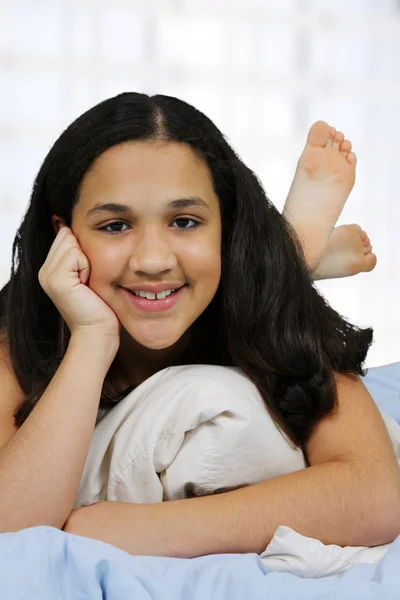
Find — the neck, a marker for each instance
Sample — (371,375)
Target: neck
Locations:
(135,363)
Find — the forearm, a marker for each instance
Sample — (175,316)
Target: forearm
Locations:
(332,502)
(41,465)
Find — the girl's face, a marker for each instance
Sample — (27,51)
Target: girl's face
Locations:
(164,229)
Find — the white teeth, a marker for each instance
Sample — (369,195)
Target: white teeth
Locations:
(152,296)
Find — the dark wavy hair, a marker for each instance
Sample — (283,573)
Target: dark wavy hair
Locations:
(266,317)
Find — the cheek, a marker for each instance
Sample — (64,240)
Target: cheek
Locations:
(204,259)
(102,260)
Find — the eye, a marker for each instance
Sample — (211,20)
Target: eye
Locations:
(186,220)
(182,224)
(105,228)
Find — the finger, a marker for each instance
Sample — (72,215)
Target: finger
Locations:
(70,264)
(61,235)
(79,264)
(66,241)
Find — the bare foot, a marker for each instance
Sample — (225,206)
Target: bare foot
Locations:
(324,178)
(349,252)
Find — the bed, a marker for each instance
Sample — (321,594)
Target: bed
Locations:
(43,562)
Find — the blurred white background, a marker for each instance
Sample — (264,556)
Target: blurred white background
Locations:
(263,70)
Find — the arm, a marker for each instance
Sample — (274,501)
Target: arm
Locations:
(350,495)
(42,463)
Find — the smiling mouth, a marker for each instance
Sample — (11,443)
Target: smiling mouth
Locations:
(138,295)
(154,305)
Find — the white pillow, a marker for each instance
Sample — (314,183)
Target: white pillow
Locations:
(188,430)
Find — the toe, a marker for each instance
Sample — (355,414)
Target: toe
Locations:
(370,261)
(338,139)
(352,158)
(332,133)
(365,239)
(318,134)
(367,247)
(345,146)
(366,242)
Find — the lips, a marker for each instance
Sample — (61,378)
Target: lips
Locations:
(155,289)
(171,294)
(156,305)
(176,289)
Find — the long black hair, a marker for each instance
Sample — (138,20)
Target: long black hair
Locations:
(266,317)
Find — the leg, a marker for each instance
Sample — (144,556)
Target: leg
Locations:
(324,178)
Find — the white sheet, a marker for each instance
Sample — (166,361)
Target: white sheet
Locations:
(291,552)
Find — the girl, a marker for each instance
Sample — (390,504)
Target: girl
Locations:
(148,243)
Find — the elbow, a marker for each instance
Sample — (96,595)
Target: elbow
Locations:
(12,523)
(390,526)
(14,526)
(386,515)
(395,508)
(374,519)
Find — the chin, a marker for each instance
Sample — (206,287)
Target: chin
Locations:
(157,343)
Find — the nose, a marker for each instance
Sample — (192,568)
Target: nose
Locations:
(152,252)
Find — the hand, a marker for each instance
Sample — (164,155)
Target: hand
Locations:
(134,528)
(63,277)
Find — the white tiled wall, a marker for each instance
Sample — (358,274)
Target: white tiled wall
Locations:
(263,70)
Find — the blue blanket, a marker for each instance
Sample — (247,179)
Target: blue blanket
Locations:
(43,563)
(383,384)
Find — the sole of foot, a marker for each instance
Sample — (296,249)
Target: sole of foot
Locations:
(324,178)
(349,252)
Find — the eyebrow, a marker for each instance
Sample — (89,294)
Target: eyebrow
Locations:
(113,207)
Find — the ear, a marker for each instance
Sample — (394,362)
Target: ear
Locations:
(57,223)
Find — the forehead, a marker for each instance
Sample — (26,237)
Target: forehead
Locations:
(169,166)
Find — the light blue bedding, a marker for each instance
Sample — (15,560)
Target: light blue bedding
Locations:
(383,384)
(42,563)
(45,563)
